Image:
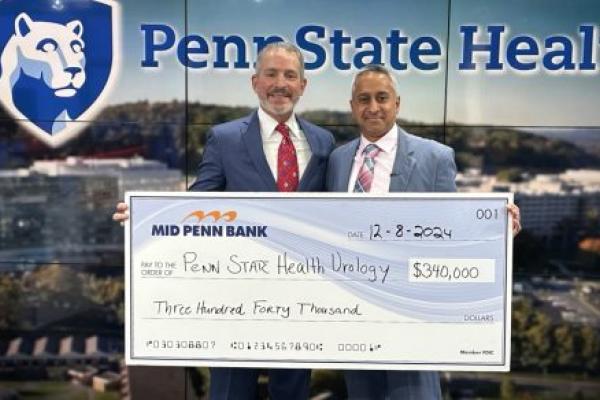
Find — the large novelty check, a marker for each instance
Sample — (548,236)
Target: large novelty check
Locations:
(405,281)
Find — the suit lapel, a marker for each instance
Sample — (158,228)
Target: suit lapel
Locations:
(253,141)
(345,167)
(316,155)
(403,165)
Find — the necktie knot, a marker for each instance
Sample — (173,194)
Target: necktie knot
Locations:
(371,151)
(284,130)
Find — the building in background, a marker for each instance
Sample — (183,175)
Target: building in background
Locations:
(548,202)
(61,210)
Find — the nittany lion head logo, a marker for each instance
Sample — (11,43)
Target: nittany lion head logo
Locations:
(56,65)
(53,53)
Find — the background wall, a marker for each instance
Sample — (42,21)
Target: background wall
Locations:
(533,132)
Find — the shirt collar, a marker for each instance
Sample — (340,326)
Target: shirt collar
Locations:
(387,143)
(268,125)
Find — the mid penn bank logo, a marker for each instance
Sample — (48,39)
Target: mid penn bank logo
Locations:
(58,60)
(214,223)
(216,215)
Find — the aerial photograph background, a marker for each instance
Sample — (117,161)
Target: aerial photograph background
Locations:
(535,133)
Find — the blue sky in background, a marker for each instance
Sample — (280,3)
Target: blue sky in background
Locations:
(137,83)
(517,99)
(423,93)
(481,98)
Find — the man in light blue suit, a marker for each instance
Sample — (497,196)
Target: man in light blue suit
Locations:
(414,164)
(384,159)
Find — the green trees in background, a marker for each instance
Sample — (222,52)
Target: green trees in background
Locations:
(508,391)
(490,149)
(51,293)
(532,347)
(537,344)
(590,347)
(568,346)
(10,302)
(106,292)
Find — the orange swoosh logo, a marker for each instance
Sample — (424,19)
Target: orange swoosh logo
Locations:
(216,215)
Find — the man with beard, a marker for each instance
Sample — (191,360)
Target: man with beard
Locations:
(269,150)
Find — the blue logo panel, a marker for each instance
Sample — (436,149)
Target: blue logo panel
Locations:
(57,60)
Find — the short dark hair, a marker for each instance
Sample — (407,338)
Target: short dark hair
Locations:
(376,69)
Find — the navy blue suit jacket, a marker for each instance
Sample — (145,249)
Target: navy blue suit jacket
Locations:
(234,159)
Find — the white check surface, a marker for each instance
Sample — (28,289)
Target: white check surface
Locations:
(405,281)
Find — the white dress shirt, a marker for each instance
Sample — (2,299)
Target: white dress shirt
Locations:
(271,140)
(384,162)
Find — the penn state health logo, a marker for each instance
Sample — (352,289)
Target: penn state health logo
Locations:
(58,61)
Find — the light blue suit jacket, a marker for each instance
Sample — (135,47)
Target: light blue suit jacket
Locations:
(421,165)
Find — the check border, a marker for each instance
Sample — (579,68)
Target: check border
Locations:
(131,359)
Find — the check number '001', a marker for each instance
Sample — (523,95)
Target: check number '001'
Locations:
(451,270)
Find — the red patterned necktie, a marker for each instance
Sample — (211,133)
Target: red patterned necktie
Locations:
(287,163)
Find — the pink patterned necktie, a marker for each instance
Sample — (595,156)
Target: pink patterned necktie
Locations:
(287,162)
(364,179)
